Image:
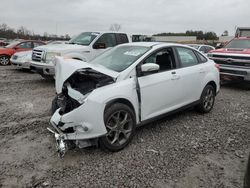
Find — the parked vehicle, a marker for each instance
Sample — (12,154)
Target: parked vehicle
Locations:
(234,59)
(104,100)
(17,46)
(21,59)
(84,47)
(3,42)
(202,48)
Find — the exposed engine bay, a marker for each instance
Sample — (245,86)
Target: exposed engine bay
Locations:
(77,87)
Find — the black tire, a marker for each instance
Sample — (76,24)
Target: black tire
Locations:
(207,99)
(4,60)
(120,122)
(54,105)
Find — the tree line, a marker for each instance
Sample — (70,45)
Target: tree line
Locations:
(24,33)
(199,34)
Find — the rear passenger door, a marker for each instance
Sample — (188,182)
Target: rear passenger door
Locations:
(192,74)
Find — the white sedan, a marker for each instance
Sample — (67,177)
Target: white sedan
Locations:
(103,101)
(202,47)
(21,59)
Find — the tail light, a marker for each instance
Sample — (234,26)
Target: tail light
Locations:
(217,66)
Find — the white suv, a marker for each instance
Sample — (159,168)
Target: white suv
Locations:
(84,47)
(131,84)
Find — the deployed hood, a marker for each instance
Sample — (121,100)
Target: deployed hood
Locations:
(62,47)
(64,68)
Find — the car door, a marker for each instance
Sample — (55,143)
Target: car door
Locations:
(192,74)
(24,46)
(105,42)
(159,92)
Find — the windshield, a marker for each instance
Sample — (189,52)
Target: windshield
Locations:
(120,57)
(84,38)
(245,43)
(12,44)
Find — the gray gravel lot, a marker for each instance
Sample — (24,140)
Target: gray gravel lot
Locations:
(184,150)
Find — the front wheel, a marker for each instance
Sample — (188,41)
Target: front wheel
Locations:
(120,123)
(4,60)
(207,99)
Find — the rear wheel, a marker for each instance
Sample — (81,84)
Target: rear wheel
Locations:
(4,60)
(120,123)
(207,99)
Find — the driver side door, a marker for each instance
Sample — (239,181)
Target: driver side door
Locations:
(160,91)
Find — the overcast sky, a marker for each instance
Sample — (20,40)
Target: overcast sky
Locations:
(135,16)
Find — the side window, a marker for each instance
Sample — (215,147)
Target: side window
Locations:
(121,38)
(25,45)
(108,39)
(208,49)
(201,57)
(187,57)
(36,44)
(164,58)
(203,49)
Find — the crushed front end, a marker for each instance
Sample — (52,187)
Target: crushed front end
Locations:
(78,118)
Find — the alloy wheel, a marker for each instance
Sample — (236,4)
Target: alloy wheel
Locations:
(4,60)
(119,128)
(208,100)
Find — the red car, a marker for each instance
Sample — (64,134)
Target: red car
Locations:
(17,46)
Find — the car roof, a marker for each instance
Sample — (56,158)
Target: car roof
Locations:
(154,44)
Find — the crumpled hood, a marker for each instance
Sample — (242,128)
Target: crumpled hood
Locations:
(62,47)
(64,68)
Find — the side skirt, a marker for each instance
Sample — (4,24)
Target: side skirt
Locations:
(168,113)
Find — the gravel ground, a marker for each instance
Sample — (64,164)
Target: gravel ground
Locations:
(184,150)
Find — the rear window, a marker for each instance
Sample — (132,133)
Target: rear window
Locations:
(237,43)
(121,38)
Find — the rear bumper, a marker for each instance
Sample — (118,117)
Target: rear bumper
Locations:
(226,71)
(43,68)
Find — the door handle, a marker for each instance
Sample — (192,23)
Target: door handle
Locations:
(175,76)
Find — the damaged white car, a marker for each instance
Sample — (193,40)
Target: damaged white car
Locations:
(103,101)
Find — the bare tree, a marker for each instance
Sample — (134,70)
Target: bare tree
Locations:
(115,27)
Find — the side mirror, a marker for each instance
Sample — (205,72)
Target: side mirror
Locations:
(149,68)
(99,45)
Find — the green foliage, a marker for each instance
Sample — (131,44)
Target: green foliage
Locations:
(24,33)
(199,34)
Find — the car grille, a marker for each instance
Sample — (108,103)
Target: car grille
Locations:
(243,73)
(233,57)
(37,55)
(240,61)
